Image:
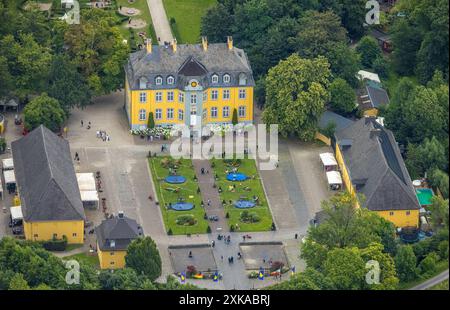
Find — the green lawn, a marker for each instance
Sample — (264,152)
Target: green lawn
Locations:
(187,191)
(248,167)
(145,15)
(187,15)
(88,259)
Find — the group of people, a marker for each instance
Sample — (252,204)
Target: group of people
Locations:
(103,135)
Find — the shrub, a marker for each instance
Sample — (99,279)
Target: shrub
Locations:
(231,228)
(186,220)
(170,232)
(249,217)
(227,215)
(55,244)
(208,230)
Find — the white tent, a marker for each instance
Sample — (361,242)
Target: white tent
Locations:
(16,213)
(89,196)
(10,177)
(86,182)
(366,75)
(328,159)
(7,164)
(334,178)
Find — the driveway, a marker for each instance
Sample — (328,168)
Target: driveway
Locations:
(160,21)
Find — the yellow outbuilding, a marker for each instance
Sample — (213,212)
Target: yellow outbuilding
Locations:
(190,84)
(113,237)
(371,164)
(48,188)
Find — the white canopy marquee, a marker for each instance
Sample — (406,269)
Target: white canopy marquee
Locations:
(7,164)
(334,178)
(89,196)
(328,159)
(86,182)
(16,213)
(10,176)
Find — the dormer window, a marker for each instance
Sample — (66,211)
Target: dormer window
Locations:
(226,78)
(242,79)
(215,79)
(158,80)
(112,243)
(170,80)
(143,83)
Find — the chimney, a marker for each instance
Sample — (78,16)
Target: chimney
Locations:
(230,42)
(148,45)
(205,43)
(120,214)
(174,45)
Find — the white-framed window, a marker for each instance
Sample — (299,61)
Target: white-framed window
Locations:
(214,112)
(242,111)
(193,110)
(226,112)
(170,113)
(193,99)
(226,78)
(181,96)
(226,94)
(143,97)
(242,93)
(180,114)
(214,94)
(205,96)
(158,80)
(170,96)
(142,114)
(170,80)
(158,96)
(215,79)
(158,114)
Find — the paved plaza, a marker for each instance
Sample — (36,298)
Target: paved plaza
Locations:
(257,255)
(202,258)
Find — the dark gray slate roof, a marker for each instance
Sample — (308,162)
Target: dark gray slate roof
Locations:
(340,121)
(189,60)
(46,178)
(378,96)
(380,35)
(376,167)
(120,229)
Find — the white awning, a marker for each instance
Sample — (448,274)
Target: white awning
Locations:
(86,182)
(87,196)
(7,164)
(10,176)
(366,75)
(16,213)
(334,177)
(328,159)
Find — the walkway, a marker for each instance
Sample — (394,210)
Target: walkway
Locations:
(160,21)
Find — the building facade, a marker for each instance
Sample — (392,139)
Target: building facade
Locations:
(48,189)
(113,237)
(194,85)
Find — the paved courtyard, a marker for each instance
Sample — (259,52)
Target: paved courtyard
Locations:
(202,258)
(257,255)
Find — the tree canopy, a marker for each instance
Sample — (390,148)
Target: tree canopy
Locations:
(143,257)
(44,110)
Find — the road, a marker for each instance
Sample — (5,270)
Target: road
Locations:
(160,21)
(431,282)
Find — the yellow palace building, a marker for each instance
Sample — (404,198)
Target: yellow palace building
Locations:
(191,84)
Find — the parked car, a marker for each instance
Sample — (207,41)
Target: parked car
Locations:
(17,231)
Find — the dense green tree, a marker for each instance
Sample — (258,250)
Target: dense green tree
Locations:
(388,277)
(309,279)
(406,42)
(123,279)
(67,85)
(18,283)
(343,97)
(151,121)
(439,213)
(44,110)
(352,13)
(439,179)
(296,93)
(345,268)
(6,79)
(369,51)
(381,67)
(216,15)
(426,156)
(427,266)
(405,263)
(319,32)
(143,256)
(344,62)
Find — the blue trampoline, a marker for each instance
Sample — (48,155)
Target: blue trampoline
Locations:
(236,177)
(244,204)
(182,206)
(175,179)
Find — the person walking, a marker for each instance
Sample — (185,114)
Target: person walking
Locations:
(82,123)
